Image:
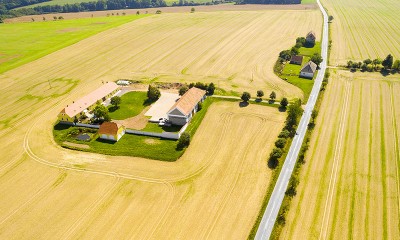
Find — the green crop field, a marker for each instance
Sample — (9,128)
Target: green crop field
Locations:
(29,41)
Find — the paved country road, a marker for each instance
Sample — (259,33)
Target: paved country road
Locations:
(274,204)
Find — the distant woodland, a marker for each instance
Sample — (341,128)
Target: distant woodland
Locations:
(8,7)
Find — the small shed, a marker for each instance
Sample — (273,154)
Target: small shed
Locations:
(111,131)
(310,39)
(308,70)
(296,60)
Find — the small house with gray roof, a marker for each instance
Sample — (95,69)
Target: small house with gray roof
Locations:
(308,70)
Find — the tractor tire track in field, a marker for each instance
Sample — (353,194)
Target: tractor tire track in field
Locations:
(232,186)
(335,166)
(396,149)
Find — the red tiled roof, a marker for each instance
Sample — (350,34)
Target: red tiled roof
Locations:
(189,100)
(90,99)
(109,128)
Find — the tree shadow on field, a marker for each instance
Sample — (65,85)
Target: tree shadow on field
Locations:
(243,104)
(282,109)
(113,109)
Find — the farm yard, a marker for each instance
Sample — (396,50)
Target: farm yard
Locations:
(363,29)
(351,177)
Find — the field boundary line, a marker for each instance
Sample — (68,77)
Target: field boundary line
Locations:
(332,181)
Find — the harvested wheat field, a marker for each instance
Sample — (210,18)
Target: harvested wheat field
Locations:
(234,49)
(364,29)
(214,191)
(349,185)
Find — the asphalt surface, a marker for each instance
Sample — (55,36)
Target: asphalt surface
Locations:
(275,201)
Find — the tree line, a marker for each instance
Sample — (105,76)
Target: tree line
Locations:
(268,1)
(99,5)
(375,65)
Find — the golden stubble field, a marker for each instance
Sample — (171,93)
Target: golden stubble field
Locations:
(349,186)
(364,29)
(214,191)
(234,49)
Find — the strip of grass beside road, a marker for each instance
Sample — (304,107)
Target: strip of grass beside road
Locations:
(26,42)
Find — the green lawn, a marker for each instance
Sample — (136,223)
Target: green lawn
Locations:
(25,42)
(154,127)
(128,145)
(132,104)
(308,1)
(310,51)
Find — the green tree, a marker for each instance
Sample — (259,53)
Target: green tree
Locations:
(153,94)
(294,113)
(246,96)
(314,114)
(184,140)
(367,61)
(101,112)
(294,51)
(158,12)
(183,90)
(284,134)
(316,58)
(116,100)
(192,10)
(396,65)
(284,102)
(286,55)
(211,89)
(272,96)
(276,153)
(260,93)
(388,62)
(280,143)
(330,18)
(137,12)
(377,61)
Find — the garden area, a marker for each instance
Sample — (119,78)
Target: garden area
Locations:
(290,72)
(131,104)
(128,145)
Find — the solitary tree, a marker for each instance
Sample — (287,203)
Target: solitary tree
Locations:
(192,10)
(116,100)
(388,62)
(284,102)
(330,18)
(153,94)
(260,94)
(272,96)
(100,111)
(183,90)
(44,19)
(246,96)
(316,58)
(137,12)
(61,17)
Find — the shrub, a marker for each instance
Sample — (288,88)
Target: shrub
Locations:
(199,106)
(184,140)
(158,12)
